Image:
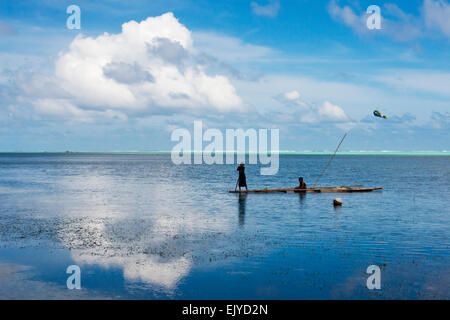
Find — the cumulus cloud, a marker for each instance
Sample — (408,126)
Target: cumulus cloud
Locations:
(325,112)
(291,98)
(311,113)
(127,73)
(148,67)
(292,95)
(269,10)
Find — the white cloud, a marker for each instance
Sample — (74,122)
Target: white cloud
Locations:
(325,112)
(428,81)
(440,120)
(291,98)
(292,95)
(230,49)
(137,267)
(348,16)
(269,10)
(149,66)
(302,111)
(127,73)
(312,89)
(21,282)
(62,108)
(331,112)
(437,15)
(401,26)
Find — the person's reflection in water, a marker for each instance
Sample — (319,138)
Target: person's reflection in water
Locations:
(302,196)
(242,199)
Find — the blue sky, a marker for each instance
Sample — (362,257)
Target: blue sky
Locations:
(310,68)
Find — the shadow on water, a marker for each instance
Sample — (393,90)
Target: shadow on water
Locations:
(242,200)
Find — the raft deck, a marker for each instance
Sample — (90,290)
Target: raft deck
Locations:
(337,189)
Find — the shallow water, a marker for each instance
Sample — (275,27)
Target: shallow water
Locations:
(140,227)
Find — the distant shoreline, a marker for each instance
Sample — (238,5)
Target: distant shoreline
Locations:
(403,153)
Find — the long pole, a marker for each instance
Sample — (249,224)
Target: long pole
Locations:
(331,159)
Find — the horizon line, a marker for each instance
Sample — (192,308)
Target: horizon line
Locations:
(285,152)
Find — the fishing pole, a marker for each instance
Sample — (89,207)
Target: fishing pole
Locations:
(331,159)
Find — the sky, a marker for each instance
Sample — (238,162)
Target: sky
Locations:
(136,71)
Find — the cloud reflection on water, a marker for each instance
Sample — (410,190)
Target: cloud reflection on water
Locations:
(156,247)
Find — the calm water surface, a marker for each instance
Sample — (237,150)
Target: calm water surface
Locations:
(140,227)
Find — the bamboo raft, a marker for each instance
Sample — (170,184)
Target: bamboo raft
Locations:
(330,189)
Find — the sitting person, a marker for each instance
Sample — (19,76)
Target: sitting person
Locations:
(301,184)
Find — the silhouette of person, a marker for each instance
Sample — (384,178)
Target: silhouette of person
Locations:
(242,179)
(301,184)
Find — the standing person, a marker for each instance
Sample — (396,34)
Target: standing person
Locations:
(301,184)
(242,180)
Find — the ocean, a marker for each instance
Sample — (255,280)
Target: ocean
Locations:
(140,227)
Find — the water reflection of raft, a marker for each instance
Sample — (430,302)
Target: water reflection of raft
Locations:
(334,189)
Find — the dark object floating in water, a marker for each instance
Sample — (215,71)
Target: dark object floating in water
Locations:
(331,189)
(337,202)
